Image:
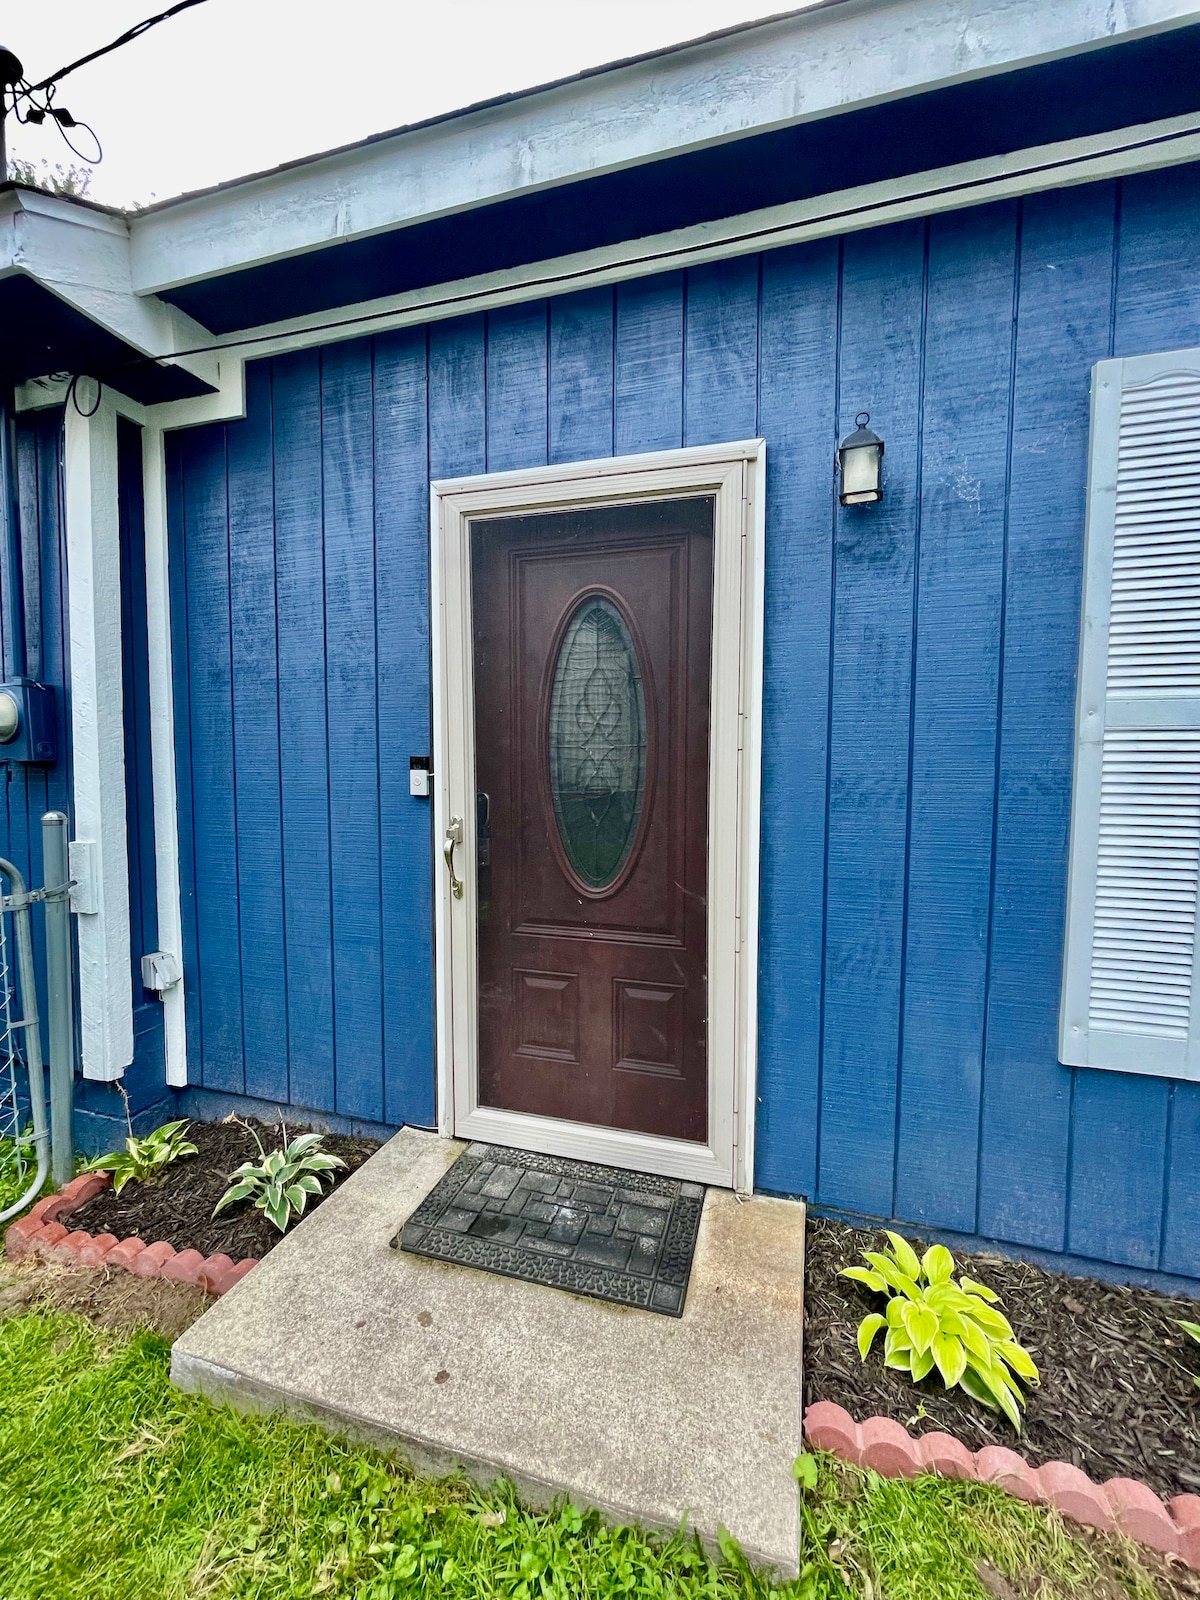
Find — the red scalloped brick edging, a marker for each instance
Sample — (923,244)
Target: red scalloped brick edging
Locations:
(41,1232)
(1122,1504)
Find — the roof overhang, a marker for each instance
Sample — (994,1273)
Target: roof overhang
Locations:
(67,304)
(850,114)
(833,59)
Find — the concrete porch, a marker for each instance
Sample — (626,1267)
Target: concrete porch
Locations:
(649,1418)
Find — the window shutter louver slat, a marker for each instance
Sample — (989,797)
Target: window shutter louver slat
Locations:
(1131,999)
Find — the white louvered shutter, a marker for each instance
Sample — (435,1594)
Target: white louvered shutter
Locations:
(1131,999)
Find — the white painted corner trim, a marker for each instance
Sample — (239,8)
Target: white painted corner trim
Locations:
(162,745)
(97,735)
(734,475)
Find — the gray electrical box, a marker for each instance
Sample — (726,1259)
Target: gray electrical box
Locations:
(26,721)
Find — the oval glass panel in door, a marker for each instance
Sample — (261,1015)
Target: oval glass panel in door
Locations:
(597,742)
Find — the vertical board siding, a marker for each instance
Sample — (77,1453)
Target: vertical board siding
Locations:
(1157,301)
(798,416)
(255,669)
(214,818)
(348,469)
(457,398)
(581,376)
(918,705)
(135,692)
(964,456)
(144,1080)
(883,307)
(720,352)
(648,365)
(29,791)
(402,667)
(182,698)
(1181,1221)
(1064,303)
(517,353)
(305,892)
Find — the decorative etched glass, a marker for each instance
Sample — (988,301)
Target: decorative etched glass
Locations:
(597,742)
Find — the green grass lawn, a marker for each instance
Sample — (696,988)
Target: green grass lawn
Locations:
(115,1487)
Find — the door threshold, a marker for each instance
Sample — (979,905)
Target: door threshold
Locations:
(608,1147)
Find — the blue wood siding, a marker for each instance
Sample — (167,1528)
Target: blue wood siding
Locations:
(918,710)
(145,1080)
(29,791)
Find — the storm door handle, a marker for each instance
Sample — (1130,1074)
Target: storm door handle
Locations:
(454,835)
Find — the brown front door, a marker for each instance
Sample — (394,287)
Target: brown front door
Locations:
(592,661)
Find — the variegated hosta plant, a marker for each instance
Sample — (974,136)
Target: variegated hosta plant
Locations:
(279,1185)
(932,1321)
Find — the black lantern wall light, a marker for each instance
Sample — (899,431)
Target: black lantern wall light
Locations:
(860,463)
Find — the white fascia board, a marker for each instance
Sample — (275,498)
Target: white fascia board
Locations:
(1147,147)
(800,68)
(83,256)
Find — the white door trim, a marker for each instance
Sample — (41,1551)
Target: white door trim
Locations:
(733,474)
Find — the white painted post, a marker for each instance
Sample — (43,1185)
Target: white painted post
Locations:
(162,744)
(97,729)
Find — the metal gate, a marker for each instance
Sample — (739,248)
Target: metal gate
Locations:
(33,1142)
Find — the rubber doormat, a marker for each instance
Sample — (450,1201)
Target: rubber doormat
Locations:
(599,1231)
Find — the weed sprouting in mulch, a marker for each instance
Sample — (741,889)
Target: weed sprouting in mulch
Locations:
(178,1205)
(1117,1396)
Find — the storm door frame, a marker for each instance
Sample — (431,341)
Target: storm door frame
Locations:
(734,475)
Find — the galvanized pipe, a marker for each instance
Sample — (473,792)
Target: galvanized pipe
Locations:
(33,1039)
(60,997)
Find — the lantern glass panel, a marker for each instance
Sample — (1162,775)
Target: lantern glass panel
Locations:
(860,473)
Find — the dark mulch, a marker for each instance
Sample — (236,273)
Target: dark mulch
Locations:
(179,1207)
(1117,1397)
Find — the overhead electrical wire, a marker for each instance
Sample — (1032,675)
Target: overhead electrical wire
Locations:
(24,92)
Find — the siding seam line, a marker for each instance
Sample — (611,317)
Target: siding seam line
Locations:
(999,731)
(833,564)
(1168,1154)
(233,783)
(283,928)
(383,1039)
(1118,218)
(333,1035)
(918,489)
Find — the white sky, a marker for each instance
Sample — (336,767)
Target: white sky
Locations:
(237,85)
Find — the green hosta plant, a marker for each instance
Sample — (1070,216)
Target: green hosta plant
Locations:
(932,1321)
(280,1183)
(1192,1329)
(144,1160)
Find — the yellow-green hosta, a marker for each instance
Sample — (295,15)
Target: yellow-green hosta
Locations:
(932,1321)
(1192,1329)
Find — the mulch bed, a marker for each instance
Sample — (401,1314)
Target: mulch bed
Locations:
(179,1207)
(1117,1398)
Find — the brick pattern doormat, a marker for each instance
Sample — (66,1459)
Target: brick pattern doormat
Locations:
(599,1231)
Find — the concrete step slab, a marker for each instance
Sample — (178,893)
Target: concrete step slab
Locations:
(648,1418)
